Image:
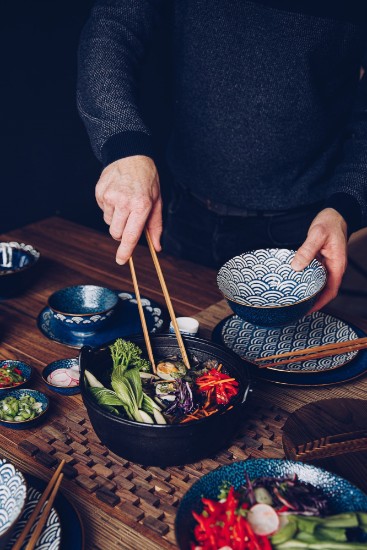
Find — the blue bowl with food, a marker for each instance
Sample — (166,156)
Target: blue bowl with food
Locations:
(17,267)
(14,374)
(62,376)
(262,288)
(13,495)
(23,409)
(83,308)
(274,503)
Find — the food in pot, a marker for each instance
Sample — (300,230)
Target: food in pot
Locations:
(173,395)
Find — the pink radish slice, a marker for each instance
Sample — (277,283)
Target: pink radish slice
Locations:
(263,519)
(62,378)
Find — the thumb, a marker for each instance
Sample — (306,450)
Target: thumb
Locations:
(308,251)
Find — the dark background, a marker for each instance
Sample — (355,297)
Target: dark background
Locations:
(48,166)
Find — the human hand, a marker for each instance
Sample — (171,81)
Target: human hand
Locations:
(128,193)
(326,240)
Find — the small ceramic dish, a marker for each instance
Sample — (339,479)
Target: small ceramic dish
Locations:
(25,370)
(13,494)
(83,307)
(17,262)
(186,325)
(64,365)
(39,397)
(262,288)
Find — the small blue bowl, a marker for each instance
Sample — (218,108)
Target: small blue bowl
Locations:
(26,424)
(25,369)
(13,496)
(17,263)
(262,288)
(83,308)
(61,364)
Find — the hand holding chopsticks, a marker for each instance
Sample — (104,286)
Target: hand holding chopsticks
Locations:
(316,352)
(50,494)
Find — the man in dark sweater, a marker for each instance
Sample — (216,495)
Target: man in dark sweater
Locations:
(269,144)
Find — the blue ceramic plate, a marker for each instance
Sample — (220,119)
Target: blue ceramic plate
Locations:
(50,537)
(342,495)
(124,322)
(61,364)
(25,369)
(72,535)
(26,424)
(250,341)
(352,369)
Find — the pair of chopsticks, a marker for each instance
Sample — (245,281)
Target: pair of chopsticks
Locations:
(317,352)
(168,303)
(48,495)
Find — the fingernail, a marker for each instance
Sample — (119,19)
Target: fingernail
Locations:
(119,261)
(296,265)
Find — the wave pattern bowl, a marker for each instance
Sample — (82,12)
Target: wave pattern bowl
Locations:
(68,364)
(13,494)
(262,288)
(83,308)
(17,262)
(26,424)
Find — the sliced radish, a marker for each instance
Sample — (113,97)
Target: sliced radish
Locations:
(263,519)
(62,378)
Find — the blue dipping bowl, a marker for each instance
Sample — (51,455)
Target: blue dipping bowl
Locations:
(25,369)
(17,263)
(26,424)
(83,308)
(61,364)
(262,288)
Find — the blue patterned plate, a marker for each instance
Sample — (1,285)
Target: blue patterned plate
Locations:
(342,496)
(40,398)
(251,342)
(50,538)
(124,322)
(355,368)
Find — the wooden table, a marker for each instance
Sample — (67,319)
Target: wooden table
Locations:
(72,254)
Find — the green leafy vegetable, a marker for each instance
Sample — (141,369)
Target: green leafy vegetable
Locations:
(126,355)
(106,398)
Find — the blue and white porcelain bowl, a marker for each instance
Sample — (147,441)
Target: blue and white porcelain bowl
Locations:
(262,288)
(67,364)
(83,308)
(17,262)
(13,494)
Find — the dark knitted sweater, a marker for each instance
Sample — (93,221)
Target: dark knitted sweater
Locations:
(270,109)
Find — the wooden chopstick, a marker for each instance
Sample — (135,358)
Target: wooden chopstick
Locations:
(167,299)
(43,517)
(38,507)
(142,316)
(323,347)
(304,355)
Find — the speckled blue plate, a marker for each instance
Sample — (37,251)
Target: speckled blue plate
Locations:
(61,364)
(26,424)
(25,369)
(124,322)
(342,495)
(354,368)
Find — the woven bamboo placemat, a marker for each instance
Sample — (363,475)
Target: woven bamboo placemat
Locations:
(147,495)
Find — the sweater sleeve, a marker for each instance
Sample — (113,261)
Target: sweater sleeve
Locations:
(113,43)
(348,184)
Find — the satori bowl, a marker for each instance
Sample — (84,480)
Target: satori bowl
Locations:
(83,308)
(13,494)
(262,288)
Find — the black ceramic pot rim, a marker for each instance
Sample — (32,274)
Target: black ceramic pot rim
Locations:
(238,401)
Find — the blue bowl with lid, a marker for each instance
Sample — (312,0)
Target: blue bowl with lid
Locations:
(83,308)
(262,288)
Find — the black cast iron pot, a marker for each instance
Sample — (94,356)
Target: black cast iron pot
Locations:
(166,445)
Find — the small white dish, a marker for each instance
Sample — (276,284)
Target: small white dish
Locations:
(188,326)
